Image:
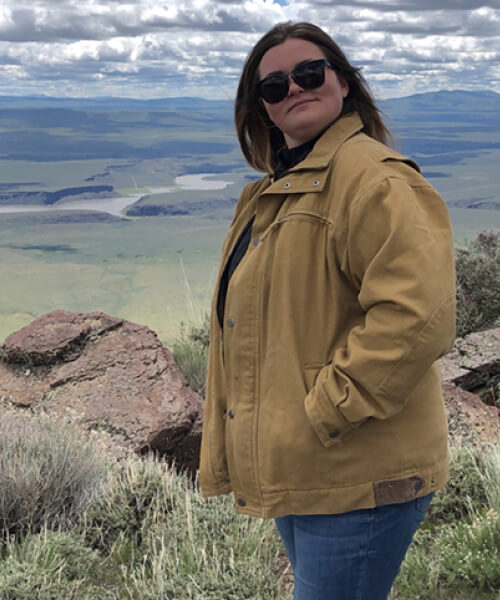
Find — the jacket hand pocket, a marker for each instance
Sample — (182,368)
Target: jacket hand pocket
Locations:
(326,420)
(310,373)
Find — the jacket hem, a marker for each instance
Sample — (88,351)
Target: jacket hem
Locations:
(346,498)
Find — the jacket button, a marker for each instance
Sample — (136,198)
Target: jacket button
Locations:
(334,434)
(230,414)
(256,242)
(287,185)
(230,322)
(241,502)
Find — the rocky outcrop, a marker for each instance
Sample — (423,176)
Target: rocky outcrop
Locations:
(471,386)
(108,374)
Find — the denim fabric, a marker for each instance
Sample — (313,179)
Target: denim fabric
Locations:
(350,556)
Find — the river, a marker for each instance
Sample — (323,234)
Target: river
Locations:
(116,206)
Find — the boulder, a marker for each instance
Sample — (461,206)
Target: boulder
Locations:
(469,418)
(108,374)
(471,386)
(474,362)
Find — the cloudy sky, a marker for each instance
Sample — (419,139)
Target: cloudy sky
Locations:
(160,48)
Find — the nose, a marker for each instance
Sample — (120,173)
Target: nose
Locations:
(293,87)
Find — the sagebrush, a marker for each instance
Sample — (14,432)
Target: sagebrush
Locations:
(478,283)
(49,472)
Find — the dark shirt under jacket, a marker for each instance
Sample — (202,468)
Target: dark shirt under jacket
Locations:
(288,158)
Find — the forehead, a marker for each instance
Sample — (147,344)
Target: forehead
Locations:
(285,56)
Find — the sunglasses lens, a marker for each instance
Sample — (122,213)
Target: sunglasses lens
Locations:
(274,88)
(310,76)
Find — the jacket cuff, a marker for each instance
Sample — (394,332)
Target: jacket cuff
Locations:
(329,424)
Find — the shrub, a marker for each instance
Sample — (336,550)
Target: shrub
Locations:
(136,496)
(466,492)
(51,566)
(190,352)
(478,283)
(49,471)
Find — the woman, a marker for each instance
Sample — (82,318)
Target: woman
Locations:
(335,298)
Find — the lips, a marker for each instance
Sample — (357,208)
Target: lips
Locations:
(300,103)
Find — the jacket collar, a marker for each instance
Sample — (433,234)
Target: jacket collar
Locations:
(331,140)
(318,159)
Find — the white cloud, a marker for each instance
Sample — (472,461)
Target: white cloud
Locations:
(146,48)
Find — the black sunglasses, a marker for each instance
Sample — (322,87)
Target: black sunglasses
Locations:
(309,75)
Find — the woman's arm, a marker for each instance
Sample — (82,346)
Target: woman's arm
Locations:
(399,254)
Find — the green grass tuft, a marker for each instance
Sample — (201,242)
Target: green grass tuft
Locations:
(190,352)
(456,553)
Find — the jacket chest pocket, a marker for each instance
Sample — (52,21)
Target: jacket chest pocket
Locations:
(299,233)
(303,216)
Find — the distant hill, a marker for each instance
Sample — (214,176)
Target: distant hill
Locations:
(457,101)
(446,105)
(57,129)
(446,127)
(113,103)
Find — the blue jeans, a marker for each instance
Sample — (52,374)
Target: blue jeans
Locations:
(351,556)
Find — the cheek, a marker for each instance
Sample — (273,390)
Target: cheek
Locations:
(272,111)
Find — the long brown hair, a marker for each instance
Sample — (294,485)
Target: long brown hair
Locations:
(259,138)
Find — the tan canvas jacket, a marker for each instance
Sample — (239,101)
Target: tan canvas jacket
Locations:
(323,391)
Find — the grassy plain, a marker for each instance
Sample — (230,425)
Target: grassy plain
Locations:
(49,176)
(157,271)
(474,180)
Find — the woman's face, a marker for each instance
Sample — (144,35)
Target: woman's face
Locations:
(302,114)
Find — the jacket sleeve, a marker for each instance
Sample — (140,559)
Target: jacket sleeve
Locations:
(398,252)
